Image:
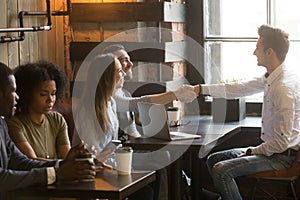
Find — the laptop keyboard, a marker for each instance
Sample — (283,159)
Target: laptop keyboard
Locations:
(181,135)
(178,134)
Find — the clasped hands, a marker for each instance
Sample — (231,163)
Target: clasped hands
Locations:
(71,170)
(186,93)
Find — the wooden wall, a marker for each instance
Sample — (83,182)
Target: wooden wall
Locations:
(46,45)
(53,45)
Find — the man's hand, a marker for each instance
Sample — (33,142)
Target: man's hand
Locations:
(76,170)
(247,153)
(71,170)
(75,151)
(185,93)
(197,89)
(241,155)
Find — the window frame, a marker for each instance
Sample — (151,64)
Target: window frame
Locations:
(253,107)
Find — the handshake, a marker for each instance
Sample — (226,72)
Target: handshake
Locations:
(185,93)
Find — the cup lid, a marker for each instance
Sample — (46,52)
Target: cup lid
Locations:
(124,150)
(172,108)
(85,155)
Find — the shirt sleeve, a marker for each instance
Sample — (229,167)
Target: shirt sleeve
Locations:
(51,175)
(129,103)
(16,130)
(234,90)
(62,134)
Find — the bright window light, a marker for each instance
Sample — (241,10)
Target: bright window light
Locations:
(231,33)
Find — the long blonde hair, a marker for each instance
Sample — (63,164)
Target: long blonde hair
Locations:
(102,71)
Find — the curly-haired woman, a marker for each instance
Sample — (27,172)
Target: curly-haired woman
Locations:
(39,132)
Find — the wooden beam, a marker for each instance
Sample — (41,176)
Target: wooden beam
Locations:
(128,12)
(139,51)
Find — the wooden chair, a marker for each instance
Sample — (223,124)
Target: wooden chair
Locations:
(64,106)
(289,175)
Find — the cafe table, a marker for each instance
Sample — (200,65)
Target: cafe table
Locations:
(212,135)
(107,185)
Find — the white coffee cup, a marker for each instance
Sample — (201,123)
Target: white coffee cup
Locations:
(173,116)
(123,156)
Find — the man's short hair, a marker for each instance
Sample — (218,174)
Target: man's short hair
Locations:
(276,39)
(113,48)
(5,72)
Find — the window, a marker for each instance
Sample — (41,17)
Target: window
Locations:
(230,29)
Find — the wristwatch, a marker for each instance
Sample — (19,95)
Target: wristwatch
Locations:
(249,152)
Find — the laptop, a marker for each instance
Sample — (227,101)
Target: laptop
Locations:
(154,120)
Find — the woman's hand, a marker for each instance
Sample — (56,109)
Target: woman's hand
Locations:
(101,165)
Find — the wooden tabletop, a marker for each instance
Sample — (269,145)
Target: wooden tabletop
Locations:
(212,134)
(107,184)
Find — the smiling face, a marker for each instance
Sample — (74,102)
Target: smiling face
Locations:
(260,53)
(120,74)
(43,98)
(8,98)
(126,63)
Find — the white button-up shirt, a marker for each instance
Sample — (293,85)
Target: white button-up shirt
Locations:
(281,107)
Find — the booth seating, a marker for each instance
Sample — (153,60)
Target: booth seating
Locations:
(64,107)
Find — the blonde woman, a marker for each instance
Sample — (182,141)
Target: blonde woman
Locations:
(96,119)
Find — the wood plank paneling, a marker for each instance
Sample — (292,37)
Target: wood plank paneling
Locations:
(51,40)
(58,31)
(86,32)
(24,54)
(43,50)
(32,37)
(46,45)
(145,51)
(3,24)
(12,47)
(134,11)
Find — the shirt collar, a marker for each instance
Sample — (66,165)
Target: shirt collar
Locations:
(271,77)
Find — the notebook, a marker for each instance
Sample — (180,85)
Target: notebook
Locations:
(153,118)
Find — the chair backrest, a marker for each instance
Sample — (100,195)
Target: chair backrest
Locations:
(64,107)
(290,173)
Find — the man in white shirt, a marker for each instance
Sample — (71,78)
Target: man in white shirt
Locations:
(280,116)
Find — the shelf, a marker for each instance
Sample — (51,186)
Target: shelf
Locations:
(167,51)
(145,51)
(128,12)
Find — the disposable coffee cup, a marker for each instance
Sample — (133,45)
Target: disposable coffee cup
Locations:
(85,157)
(123,156)
(173,116)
